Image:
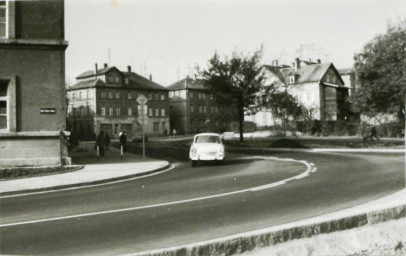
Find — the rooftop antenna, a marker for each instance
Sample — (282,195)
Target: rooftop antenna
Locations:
(109,56)
(145,69)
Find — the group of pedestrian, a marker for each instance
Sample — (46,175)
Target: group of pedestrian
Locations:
(103,142)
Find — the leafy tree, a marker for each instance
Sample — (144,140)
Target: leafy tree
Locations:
(236,81)
(283,106)
(381,73)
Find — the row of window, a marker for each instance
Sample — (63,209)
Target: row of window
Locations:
(203,109)
(157,124)
(192,95)
(132,95)
(157,112)
(117,95)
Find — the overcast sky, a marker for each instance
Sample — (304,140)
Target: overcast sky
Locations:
(168,38)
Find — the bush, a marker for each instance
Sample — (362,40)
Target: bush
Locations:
(248,127)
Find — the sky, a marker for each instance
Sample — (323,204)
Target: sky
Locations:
(168,38)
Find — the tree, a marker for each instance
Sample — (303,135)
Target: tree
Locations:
(381,73)
(283,106)
(236,81)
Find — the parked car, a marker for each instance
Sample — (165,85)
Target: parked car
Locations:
(138,138)
(206,147)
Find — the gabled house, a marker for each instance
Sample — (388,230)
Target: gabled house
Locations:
(106,100)
(194,109)
(317,86)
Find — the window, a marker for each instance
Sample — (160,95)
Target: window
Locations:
(117,79)
(103,95)
(151,112)
(3,19)
(150,96)
(162,96)
(111,111)
(157,112)
(199,95)
(162,112)
(200,109)
(291,79)
(204,109)
(117,95)
(4,107)
(126,80)
(80,96)
(190,94)
(171,95)
(129,96)
(73,96)
(216,109)
(103,111)
(191,108)
(156,96)
(118,111)
(156,126)
(110,95)
(130,111)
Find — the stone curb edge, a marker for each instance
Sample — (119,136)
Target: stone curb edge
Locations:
(317,150)
(77,185)
(249,241)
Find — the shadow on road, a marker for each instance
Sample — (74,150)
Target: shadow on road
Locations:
(229,162)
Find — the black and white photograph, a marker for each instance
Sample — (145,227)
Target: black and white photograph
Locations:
(203,127)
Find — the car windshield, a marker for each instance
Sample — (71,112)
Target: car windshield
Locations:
(208,139)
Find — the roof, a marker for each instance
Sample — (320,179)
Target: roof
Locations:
(135,81)
(86,84)
(187,83)
(305,74)
(276,71)
(140,82)
(91,73)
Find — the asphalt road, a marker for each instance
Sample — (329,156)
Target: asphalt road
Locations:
(187,204)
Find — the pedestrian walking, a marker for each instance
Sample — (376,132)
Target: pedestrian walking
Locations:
(373,134)
(101,143)
(123,140)
(108,140)
(173,133)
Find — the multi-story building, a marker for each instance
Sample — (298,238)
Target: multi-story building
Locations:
(106,100)
(318,87)
(194,109)
(32,83)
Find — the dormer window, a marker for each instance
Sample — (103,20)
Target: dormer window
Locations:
(292,79)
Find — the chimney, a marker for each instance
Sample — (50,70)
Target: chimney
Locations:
(129,69)
(275,63)
(150,77)
(319,61)
(105,65)
(297,63)
(95,68)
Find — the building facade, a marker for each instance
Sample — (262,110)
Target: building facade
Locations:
(32,83)
(106,100)
(194,109)
(316,86)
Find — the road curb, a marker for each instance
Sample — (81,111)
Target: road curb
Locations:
(77,185)
(320,150)
(249,241)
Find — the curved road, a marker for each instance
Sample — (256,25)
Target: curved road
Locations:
(187,204)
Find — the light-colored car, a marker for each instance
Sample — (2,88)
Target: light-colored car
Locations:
(207,147)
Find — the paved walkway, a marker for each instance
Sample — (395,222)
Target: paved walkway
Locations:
(107,168)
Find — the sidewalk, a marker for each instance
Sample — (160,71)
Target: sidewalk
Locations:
(95,171)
